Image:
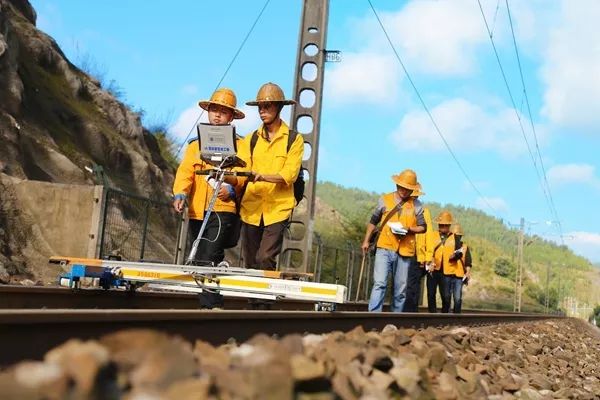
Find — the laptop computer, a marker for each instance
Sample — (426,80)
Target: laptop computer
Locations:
(218,143)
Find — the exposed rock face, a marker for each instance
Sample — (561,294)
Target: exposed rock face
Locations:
(55,119)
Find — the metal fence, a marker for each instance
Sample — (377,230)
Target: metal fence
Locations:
(138,228)
(343,265)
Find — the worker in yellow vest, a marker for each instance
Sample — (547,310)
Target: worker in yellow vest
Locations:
(424,245)
(443,247)
(274,155)
(457,273)
(401,217)
(197,190)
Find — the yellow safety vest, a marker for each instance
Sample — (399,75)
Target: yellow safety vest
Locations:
(424,241)
(442,255)
(404,245)
(195,187)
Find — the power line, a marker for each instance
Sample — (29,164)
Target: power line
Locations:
(226,70)
(458,163)
(553,207)
(495,16)
(512,100)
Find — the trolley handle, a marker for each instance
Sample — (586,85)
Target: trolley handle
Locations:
(227,173)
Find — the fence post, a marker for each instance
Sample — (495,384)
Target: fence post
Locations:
(317,269)
(335,277)
(107,192)
(99,199)
(368,276)
(182,236)
(349,268)
(145,230)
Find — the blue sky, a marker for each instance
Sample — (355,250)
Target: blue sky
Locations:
(167,55)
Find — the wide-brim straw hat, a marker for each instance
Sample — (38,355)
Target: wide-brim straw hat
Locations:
(406,179)
(457,229)
(223,97)
(270,93)
(445,218)
(417,192)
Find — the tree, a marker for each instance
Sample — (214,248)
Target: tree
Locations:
(596,315)
(504,267)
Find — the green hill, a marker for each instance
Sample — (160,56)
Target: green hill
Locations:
(342,214)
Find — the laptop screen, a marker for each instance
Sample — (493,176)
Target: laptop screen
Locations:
(217,142)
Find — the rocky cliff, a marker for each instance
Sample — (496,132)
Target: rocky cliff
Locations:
(55,120)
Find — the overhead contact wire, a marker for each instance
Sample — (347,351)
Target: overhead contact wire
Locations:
(424,105)
(262,10)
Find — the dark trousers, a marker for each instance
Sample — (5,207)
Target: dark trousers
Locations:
(452,290)
(262,244)
(434,281)
(211,248)
(413,287)
(212,245)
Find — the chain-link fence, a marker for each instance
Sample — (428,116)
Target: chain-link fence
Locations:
(138,228)
(343,265)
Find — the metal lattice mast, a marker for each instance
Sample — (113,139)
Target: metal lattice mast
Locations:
(306,119)
(519,274)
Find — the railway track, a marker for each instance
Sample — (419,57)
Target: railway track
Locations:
(38,297)
(30,333)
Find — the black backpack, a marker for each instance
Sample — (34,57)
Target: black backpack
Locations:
(299,183)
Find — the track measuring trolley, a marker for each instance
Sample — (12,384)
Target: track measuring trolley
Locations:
(218,149)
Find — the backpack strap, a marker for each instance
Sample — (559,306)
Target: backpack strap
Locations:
(253,141)
(390,214)
(291,139)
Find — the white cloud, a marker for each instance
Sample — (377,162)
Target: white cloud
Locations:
(250,122)
(465,126)
(438,37)
(573,174)
(497,203)
(186,122)
(586,244)
(363,78)
(571,65)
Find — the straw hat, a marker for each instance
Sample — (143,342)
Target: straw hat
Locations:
(406,179)
(223,97)
(270,93)
(445,218)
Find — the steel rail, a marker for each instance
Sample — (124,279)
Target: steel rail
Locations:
(29,334)
(49,297)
